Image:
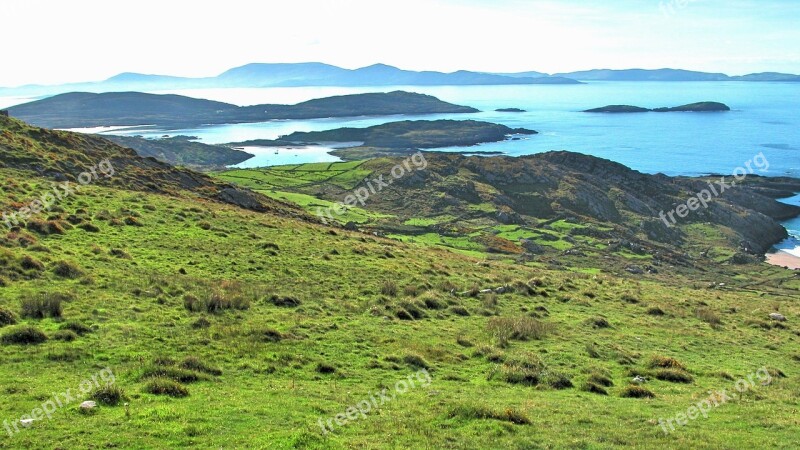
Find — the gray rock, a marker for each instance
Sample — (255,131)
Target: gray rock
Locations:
(777,317)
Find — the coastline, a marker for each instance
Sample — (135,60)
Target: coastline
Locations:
(783,259)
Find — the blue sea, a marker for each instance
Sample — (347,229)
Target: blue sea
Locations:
(765,120)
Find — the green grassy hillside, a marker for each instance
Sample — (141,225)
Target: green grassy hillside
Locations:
(274,324)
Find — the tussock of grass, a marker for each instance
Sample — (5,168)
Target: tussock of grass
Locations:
(65,335)
(673,376)
(7,317)
(109,395)
(634,391)
(75,326)
(166,386)
(196,364)
(665,362)
(475,412)
(23,335)
(41,306)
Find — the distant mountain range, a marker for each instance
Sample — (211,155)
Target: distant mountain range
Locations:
(672,75)
(291,75)
(319,74)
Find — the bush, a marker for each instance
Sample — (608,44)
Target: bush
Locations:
(416,361)
(23,335)
(389,288)
(665,362)
(7,317)
(634,391)
(201,323)
(673,376)
(109,395)
(594,388)
(41,306)
(708,316)
(325,368)
(520,328)
(598,322)
(67,269)
(216,302)
(76,327)
(166,386)
(459,311)
(65,335)
(194,363)
(481,412)
(528,371)
(285,302)
(558,380)
(172,373)
(600,379)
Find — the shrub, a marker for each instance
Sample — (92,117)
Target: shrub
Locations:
(600,379)
(673,376)
(665,362)
(416,361)
(109,395)
(708,316)
(76,327)
(389,288)
(482,412)
(41,306)
(23,335)
(194,363)
(527,371)
(268,335)
(67,269)
(285,301)
(30,263)
(594,388)
(201,323)
(558,380)
(166,386)
(459,311)
(325,368)
(172,373)
(65,335)
(598,322)
(7,317)
(634,391)
(520,328)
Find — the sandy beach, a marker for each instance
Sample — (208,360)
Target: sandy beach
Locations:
(783,259)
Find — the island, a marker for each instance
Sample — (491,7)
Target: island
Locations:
(398,138)
(183,151)
(510,110)
(692,107)
(82,109)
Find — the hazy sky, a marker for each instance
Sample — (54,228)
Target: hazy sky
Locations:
(54,41)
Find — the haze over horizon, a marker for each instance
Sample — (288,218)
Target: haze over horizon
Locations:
(85,41)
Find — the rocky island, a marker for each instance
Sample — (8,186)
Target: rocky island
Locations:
(692,107)
(398,138)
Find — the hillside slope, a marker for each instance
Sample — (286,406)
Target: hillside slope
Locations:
(225,327)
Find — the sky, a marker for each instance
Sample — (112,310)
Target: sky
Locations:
(57,41)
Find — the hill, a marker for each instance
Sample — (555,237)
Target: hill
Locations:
(148,281)
(80,109)
(397,138)
(182,151)
(693,107)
